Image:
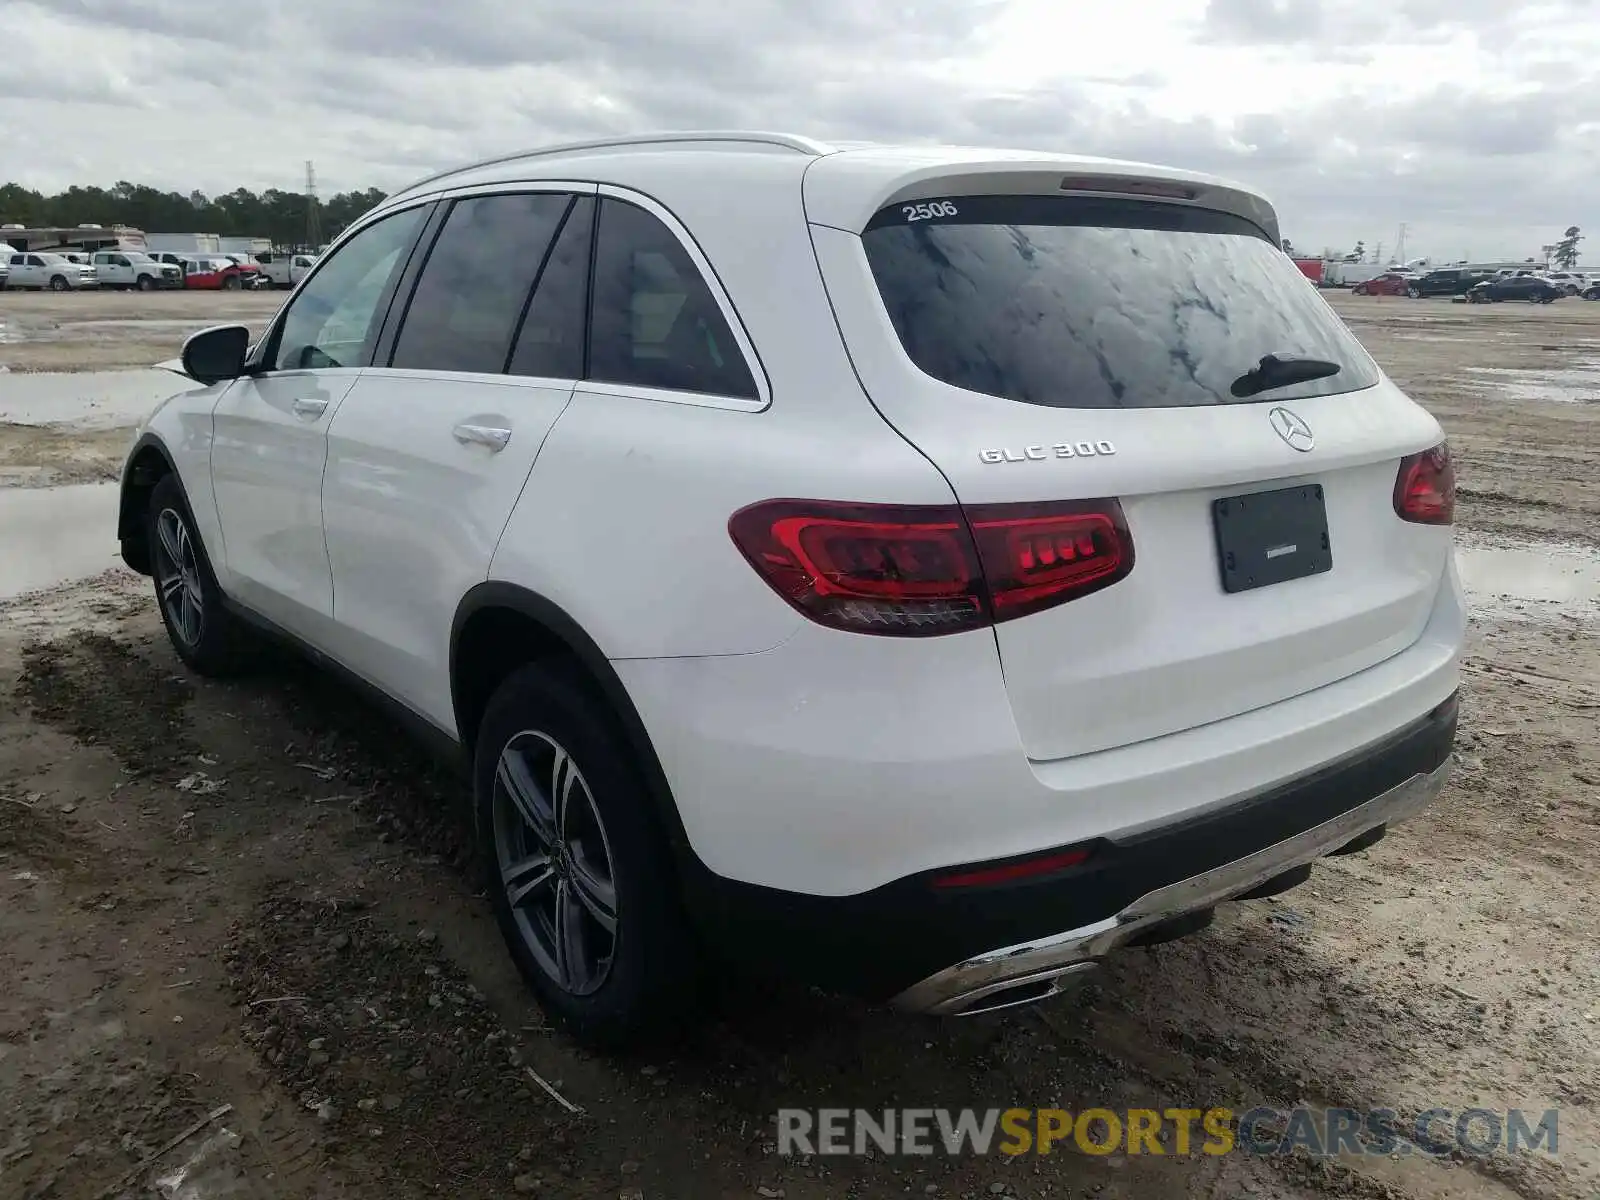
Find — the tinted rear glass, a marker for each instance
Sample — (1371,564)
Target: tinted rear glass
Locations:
(1087,303)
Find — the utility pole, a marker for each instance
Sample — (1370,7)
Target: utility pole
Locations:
(1377,256)
(313,218)
(1400,245)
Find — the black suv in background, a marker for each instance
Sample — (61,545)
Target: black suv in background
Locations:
(1451,281)
(1515,287)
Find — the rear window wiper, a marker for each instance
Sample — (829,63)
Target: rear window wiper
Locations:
(1281,370)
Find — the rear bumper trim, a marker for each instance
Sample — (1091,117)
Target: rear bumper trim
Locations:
(961,987)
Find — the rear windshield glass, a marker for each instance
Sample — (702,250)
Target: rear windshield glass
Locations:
(1088,303)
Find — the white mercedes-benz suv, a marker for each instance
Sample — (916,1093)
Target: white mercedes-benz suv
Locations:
(920,570)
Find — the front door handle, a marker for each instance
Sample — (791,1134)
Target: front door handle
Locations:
(493,436)
(310,407)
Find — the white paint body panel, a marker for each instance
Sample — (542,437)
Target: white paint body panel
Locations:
(267,462)
(835,763)
(413,514)
(802,757)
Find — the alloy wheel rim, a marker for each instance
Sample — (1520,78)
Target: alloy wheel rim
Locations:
(178,577)
(555,863)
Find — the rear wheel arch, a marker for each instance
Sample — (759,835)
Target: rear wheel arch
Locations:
(500,627)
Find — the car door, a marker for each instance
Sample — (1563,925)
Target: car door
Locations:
(430,450)
(269,441)
(32,272)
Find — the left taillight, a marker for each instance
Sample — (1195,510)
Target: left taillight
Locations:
(1425,487)
(925,570)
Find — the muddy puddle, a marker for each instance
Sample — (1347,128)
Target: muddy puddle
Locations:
(1530,581)
(50,536)
(1578,383)
(85,399)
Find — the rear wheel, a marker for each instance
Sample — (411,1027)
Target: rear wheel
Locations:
(206,636)
(578,869)
(1414,292)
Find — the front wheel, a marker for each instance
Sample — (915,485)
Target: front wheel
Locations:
(1414,292)
(58,283)
(578,867)
(145,283)
(231,283)
(206,636)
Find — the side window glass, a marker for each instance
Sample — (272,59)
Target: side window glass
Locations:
(332,319)
(472,290)
(655,323)
(550,343)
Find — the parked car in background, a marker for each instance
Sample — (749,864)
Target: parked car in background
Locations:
(284,269)
(1391,283)
(1532,288)
(1592,292)
(135,269)
(1570,282)
(53,271)
(961,668)
(1446,281)
(213,272)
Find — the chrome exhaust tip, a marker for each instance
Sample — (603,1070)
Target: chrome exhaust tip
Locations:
(1015,993)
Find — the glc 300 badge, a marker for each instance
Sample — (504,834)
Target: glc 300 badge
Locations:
(1054,450)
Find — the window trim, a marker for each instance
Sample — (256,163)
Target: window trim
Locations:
(719,294)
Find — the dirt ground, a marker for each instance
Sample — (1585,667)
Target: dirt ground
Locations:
(98,331)
(257,895)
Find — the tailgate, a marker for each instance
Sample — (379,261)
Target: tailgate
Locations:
(1034,362)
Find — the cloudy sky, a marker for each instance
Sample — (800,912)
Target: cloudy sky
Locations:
(1476,122)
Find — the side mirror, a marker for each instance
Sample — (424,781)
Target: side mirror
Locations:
(215,354)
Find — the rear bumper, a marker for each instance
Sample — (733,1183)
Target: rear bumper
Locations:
(1035,969)
(951,951)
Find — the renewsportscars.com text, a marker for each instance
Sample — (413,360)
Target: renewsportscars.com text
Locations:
(1475,1132)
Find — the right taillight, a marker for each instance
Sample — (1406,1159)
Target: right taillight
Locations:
(1425,488)
(925,570)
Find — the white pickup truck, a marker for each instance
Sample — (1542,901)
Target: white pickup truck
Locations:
(48,270)
(285,270)
(135,269)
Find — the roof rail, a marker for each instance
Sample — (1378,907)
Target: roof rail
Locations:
(787,141)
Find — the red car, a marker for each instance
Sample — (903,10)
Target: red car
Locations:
(214,273)
(1382,285)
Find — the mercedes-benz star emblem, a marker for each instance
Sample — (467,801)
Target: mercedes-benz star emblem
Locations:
(1292,429)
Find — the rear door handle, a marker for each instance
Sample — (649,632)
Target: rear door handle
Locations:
(309,406)
(492,436)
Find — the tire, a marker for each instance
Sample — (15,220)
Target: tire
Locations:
(145,283)
(544,733)
(231,283)
(58,283)
(208,638)
(1414,292)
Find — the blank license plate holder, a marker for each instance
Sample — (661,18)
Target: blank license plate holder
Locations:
(1272,537)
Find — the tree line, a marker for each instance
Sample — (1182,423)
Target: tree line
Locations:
(281,216)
